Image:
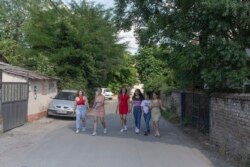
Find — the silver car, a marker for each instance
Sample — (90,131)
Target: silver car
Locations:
(63,104)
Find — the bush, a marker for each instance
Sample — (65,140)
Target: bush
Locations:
(247,162)
(171,113)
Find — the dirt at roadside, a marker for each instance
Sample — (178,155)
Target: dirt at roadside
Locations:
(208,147)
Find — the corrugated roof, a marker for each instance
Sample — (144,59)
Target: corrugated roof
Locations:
(23,72)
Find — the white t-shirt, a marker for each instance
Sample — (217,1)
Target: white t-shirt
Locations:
(145,104)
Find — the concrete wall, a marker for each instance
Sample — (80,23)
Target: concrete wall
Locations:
(40,93)
(13,78)
(173,98)
(177,101)
(230,123)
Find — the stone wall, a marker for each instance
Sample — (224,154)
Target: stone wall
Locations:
(229,116)
(173,98)
(230,123)
(176,96)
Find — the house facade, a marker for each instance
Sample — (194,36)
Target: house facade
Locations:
(25,95)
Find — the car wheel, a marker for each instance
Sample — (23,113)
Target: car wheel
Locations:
(48,116)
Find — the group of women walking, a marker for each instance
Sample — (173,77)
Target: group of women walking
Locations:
(82,107)
(141,104)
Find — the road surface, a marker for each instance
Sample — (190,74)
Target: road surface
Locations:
(53,143)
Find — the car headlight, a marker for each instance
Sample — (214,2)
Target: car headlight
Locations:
(51,106)
(70,109)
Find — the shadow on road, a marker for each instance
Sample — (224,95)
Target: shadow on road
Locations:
(171,135)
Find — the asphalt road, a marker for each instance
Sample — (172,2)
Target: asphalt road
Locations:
(55,144)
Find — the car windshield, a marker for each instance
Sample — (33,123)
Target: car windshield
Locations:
(107,90)
(66,96)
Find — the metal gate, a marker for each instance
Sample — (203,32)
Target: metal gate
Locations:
(195,110)
(14,104)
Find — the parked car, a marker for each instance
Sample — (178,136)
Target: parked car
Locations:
(63,104)
(107,93)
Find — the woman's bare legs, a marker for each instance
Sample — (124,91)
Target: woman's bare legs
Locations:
(103,125)
(103,122)
(123,121)
(95,125)
(154,125)
(157,129)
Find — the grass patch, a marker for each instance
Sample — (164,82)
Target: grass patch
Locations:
(187,121)
(171,113)
(247,161)
(171,117)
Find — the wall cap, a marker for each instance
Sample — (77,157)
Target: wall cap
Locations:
(236,96)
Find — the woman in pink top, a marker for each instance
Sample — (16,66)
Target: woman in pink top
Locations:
(99,111)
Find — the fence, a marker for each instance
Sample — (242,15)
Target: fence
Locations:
(195,110)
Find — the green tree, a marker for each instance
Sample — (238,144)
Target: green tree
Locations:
(125,74)
(80,41)
(152,71)
(12,18)
(208,37)
(77,42)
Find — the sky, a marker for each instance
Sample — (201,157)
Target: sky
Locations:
(127,37)
(106,3)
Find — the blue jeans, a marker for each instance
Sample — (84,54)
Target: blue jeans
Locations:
(137,116)
(80,115)
(147,118)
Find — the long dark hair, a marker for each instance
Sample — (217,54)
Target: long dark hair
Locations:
(157,93)
(140,95)
(77,93)
(147,94)
(126,90)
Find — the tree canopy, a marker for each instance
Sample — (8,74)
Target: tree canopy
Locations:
(77,42)
(208,38)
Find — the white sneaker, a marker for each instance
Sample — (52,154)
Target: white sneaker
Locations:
(105,131)
(137,130)
(77,131)
(94,133)
(83,129)
(125,128)
(122,130)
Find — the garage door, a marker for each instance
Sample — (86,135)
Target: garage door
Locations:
(14,104)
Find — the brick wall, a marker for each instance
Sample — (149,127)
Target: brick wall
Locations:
(230,123)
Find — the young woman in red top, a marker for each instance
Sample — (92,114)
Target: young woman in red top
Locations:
(123,107)
(81,105)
